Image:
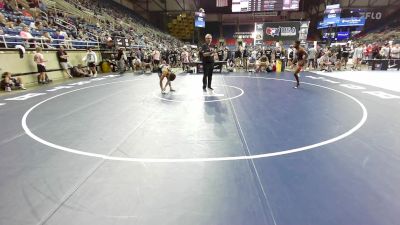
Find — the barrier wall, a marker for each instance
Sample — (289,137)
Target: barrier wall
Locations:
(11,62)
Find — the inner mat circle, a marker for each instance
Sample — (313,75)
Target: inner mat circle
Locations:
(121,122)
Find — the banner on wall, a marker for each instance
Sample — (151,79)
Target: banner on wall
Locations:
(303,33)
(258,34)
(281,31)
(242,35)
(199,19)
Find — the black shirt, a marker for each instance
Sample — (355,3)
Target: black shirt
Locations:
(346,51)
(245,53)
(61,53)
(220,55)
(207,49)
(268,52)
(278,54)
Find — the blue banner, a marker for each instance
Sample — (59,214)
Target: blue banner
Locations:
(199,20)
(343,35)
(351,22)
(343,22)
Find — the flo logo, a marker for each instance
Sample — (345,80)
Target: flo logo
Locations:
(272,31)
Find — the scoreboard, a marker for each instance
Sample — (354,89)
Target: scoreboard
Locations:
(264,5)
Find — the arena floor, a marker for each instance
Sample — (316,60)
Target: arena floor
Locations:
(113,150)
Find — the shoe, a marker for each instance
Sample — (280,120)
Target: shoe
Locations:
(8,89)
(211,88)
(22,88)
(204,89)
(172,90)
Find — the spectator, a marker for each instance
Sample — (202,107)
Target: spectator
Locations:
(325,62)
(156,58)
(384,52)
(91,61)
(185,59)
(58,35)
(8,82)
(122,60)
(395,54)
(357,57)
(46,40)
(41,66)
(311,57)
(346,50)
(68,42)
(113,63)
(2,4)
(8,7)
(3,21)
(63,60)
(79,71)
(27,36)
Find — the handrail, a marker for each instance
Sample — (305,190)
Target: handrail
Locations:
(42,42)
(56,20)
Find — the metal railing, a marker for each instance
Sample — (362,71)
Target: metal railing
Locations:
(10,41)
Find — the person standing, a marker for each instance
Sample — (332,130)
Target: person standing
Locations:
(156,58)
(208,52)
(301,57)
(346,50)
(395,55)
(312,52)
(63,60)
(268,53)
(245,57)
(121,57)
(41,66)
(185,59)
(91,60)
(357,57)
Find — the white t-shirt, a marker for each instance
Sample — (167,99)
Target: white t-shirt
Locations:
(91,57)
(358,53)
(395,52)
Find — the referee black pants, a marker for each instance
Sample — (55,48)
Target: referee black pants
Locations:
(207,74)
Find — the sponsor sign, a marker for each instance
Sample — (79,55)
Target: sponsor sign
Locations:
(343,35)
(344,22)
(242,35)
(281,31)
(199,20)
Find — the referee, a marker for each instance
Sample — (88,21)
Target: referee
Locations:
(207,51)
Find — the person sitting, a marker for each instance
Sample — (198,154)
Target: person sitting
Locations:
(146,64)
(263,64)
(251,65)
(79,71)
(113,63)
(230,65)
(47,40)
(325,62)
(137,64)
(27,36)
(8,82)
